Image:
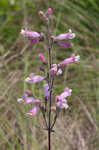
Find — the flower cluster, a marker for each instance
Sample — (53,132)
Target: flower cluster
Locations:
(50,71)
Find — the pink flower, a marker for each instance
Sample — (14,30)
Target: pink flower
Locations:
(28,99)
(28,33)
(28,92)
(34,78)
(33,36)
(62,104)
(49,12)
(34,110)
(61,99)
(59,72)
(66,93)
(43,58)
(31,100)
(64,36)
(53,108)
(53,70)
(46,91)
(69,60)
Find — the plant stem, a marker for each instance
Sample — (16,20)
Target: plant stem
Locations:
(55,118)
(50,88)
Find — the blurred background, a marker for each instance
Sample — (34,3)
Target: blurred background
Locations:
(78,127)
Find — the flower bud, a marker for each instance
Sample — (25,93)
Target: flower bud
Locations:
(42,58)
(49,12)
(41,13)
(28,92)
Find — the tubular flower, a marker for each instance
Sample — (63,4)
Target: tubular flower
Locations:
(61,99)
(59,72)
(34,110)
(66,93)
(46,91)
(27,100)
(42,58)
(62,104)
(34,78)
(69,60)
(49,12)
(64,36)
(54,70)
(32,36)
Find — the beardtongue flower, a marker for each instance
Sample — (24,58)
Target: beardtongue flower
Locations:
(27,100)
(28,33)
(69,60)
(61,99)
(42,58)
(31,100)
(53,70)
(32,35)
(66,93)
(59,72)
(34,78)
(46,91)
(34,110)
(64,36)
(62,104)
(49,12)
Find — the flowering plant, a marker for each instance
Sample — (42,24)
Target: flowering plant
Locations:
(52,71)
